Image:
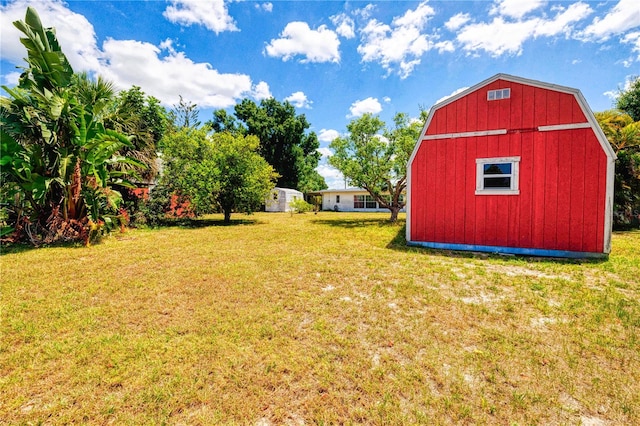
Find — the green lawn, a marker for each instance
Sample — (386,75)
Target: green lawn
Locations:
(314,319)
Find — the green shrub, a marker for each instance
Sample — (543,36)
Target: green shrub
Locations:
(300,206)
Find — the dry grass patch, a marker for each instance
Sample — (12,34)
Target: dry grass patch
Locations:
(315,319)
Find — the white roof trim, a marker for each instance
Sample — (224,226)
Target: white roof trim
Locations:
(331,190)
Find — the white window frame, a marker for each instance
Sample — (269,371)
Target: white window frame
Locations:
(514,189)
(498,94)
(365,199)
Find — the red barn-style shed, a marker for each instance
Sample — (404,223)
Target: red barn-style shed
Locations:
(512,165)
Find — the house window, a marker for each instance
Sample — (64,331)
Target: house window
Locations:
(497,176)
(388,198)
(494,95)
(337,199)
(364,202)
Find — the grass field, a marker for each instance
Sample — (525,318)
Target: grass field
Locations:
(314,319)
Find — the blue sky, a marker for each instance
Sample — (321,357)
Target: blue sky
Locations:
(336,60)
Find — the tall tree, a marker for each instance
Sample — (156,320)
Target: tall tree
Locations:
(244,178)
(189,171)
(57,157)
(624,136)
(145,120)
(375,158)
(629,100)
(185,114)
(285,141)
(222,172)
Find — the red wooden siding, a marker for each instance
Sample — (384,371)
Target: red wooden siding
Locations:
(527,107)
(561,204)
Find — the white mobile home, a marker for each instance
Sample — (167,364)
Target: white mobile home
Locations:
(350,200)
(279,199)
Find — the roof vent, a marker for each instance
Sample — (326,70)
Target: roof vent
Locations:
(494,95)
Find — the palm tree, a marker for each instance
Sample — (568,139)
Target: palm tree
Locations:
(624,136)
(57,164)
(620,129)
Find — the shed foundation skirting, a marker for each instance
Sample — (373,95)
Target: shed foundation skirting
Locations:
(510,250)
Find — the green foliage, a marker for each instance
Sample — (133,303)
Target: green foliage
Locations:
(284,141)
(48,67)
(133,113)
(244,177)
(629,100)
(375,158)
(189,168)
(222,172)
(59,163)
(300,206)
(184,115)
(624,136)
(154,209)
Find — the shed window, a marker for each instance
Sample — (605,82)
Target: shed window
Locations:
(497,176)
(494,95)
(337,199)
(364,202)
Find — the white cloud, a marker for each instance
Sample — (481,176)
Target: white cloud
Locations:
(211,14)
(74,32)
(130,62)
(386,99)
(497,37)
(361,107)
(267,7)
(299,100)
(624,16)
(455,92)
(614,94)
(507,37)
(11,79)
(611,94)
(633,39)
(344,25)
(399,46)
(415,18)
(515,8)
(331,175)
(297,38)
(325,152)
(161,70)
(365,12)
(456,21)
(563,21)
(328,135)
(168,45)
(261,91)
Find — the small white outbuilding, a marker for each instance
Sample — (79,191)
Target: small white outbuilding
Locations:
(279,199)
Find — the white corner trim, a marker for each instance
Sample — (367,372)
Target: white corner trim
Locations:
(407,206)
(608,215)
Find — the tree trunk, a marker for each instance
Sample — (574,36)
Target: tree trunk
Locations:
(227,216)
(394,214)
